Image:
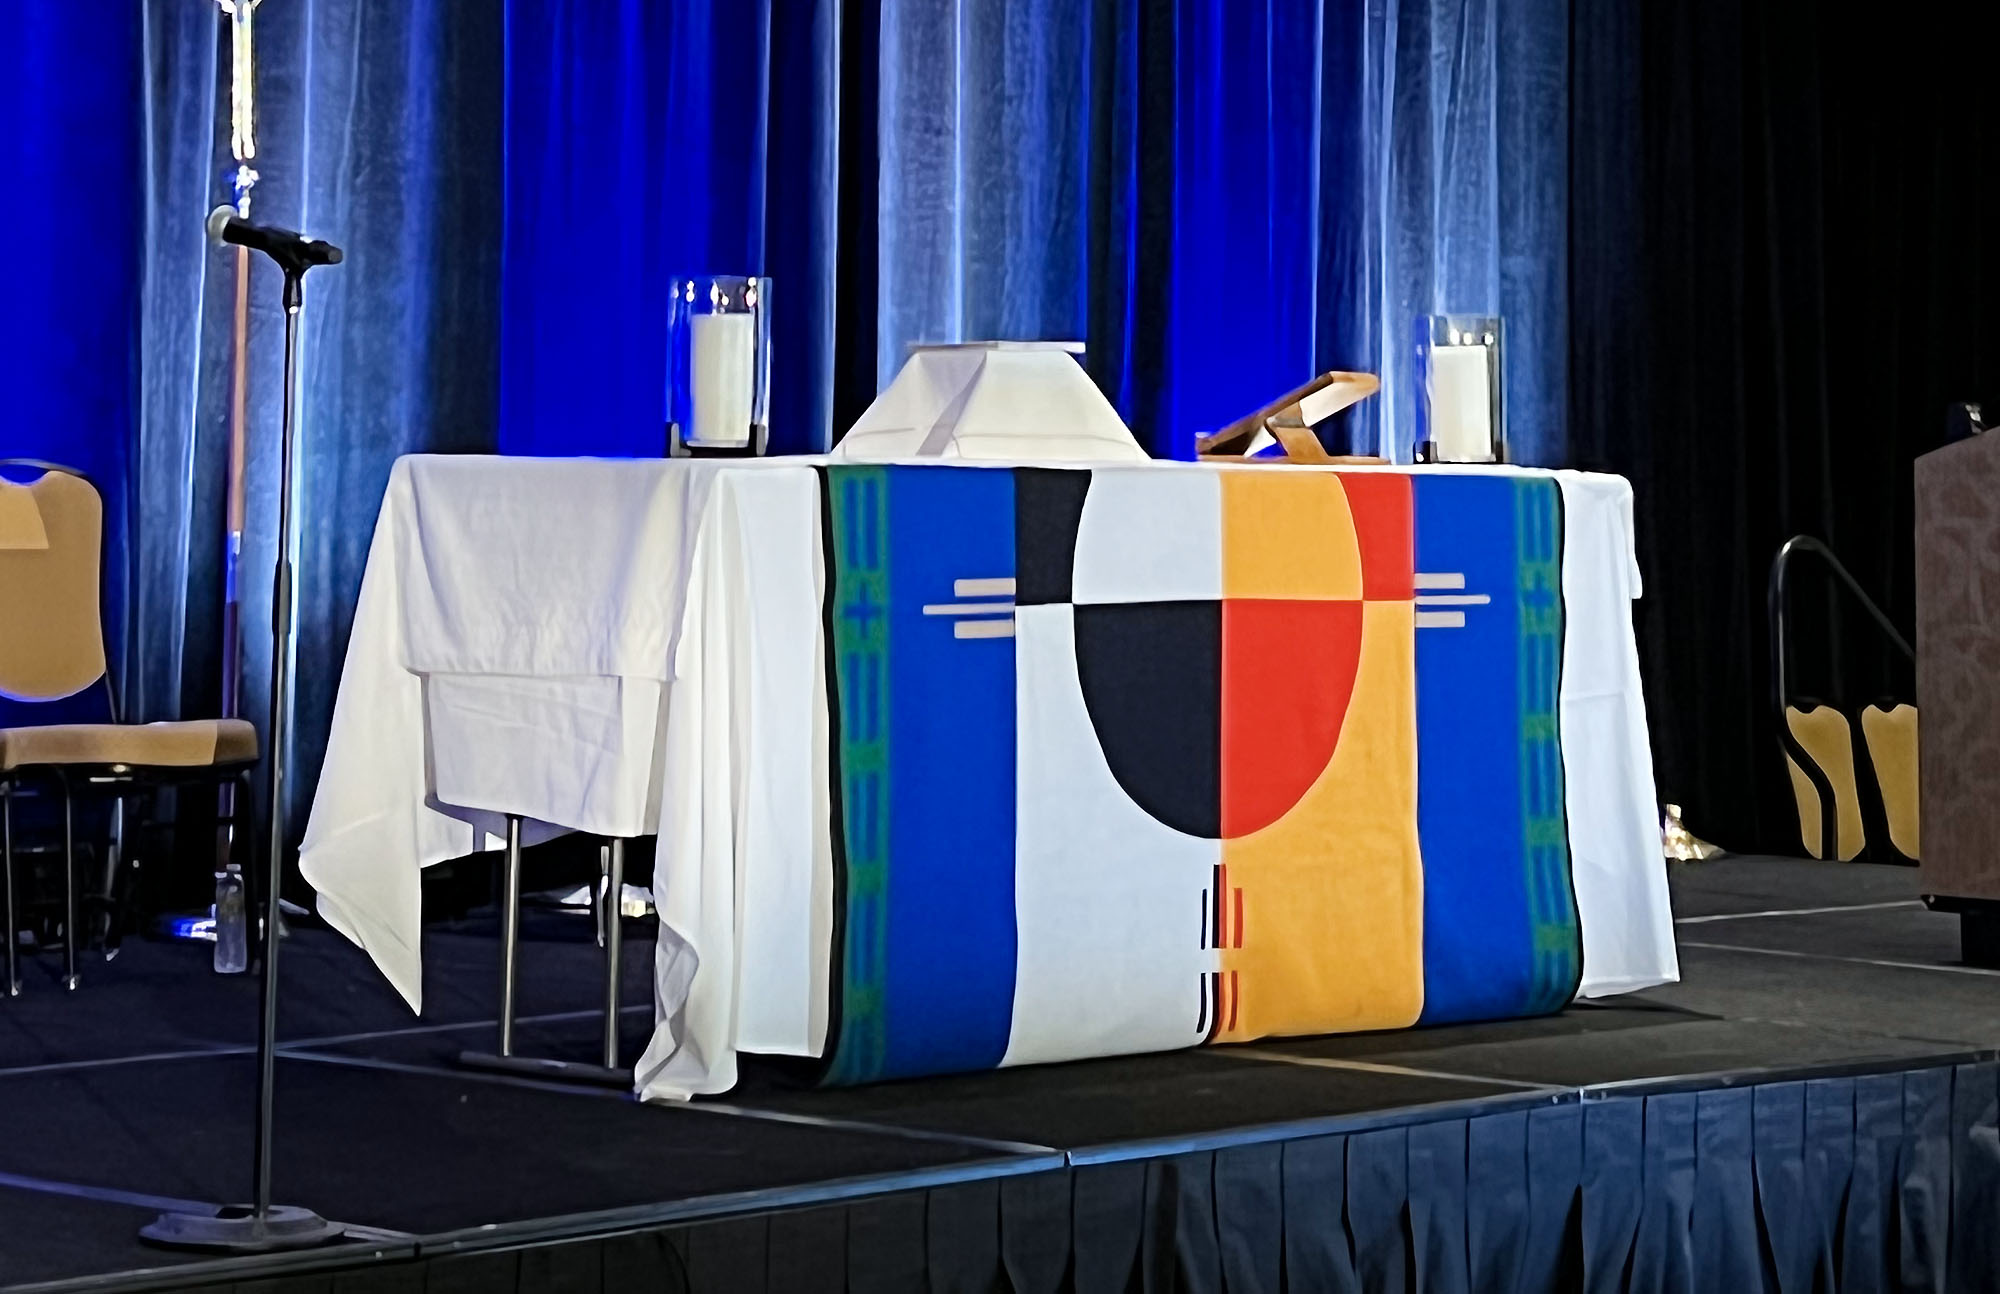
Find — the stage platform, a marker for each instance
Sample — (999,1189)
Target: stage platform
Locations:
(1817,1096)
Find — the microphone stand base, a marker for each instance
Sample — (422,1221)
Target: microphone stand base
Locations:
(237,1229)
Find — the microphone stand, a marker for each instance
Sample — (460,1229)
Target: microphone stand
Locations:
(262,1227)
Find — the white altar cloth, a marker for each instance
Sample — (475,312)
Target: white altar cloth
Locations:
(631,647)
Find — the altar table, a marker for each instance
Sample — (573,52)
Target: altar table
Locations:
(955,767)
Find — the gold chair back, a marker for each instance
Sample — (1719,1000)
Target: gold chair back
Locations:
(51,636)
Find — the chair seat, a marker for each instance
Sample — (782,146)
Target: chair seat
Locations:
(199,743)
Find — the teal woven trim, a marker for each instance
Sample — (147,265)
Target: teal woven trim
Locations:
(1545,838)
(860,562)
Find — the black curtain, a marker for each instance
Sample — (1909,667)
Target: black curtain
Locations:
(1779,278)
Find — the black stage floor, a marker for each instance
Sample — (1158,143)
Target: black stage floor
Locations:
(133,1093)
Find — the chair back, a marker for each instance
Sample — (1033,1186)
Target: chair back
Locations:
(51,541)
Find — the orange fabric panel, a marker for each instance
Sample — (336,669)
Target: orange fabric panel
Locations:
(1380,505)
(1287,534)
(1287,673)
(1331,915)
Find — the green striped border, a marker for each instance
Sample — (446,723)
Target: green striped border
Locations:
(859,498)
(1545,830)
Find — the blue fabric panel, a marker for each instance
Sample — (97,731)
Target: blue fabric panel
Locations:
(962,1237)
(637,152)
(1378,1195)
(1614,1134)
(1249,1218)
(1552,1257)
(1438,1208)
(1923,1197)
(1975,1177)
(1496,1202)
(1178,1252)
(808,1251)
(1783,1207)
(1481,913)
(1660,1253)
(1108,1210)
(1829,1165)
(730,1257)
(1867,1245)
(1317,1255)
(1034,1231)
(885,1245)
(951,935)
(70,101)
(1723,1229)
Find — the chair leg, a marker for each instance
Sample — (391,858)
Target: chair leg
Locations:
(71,935)
(7,883)
(243,851)
(113,859)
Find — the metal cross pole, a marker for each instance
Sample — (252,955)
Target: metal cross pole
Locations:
(243,148)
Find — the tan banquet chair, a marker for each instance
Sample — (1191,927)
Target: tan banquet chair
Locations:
(51,647)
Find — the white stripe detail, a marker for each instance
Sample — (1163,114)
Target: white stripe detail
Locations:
(1452,599)
(1363,1067)
(1948,968)
(1797,912)
(1438,581)
(969,609)
(1440,619)
(982,588)
(983,629)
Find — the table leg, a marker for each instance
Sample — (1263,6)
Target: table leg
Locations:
(614,940)
(510,933)
(536,1067)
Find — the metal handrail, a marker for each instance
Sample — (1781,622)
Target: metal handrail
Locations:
(1779,610)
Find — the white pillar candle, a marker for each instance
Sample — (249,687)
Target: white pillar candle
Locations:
(1461,404)
(723,351)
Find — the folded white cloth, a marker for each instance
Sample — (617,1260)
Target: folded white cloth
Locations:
(518,649)
(1020,402)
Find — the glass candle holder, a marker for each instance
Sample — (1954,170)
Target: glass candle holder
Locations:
(719,366)
(1461,413)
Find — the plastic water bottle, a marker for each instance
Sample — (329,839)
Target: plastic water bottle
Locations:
(232,943)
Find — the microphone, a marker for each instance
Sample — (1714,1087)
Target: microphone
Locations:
(289,249)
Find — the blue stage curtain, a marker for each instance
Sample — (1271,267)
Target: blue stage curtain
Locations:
(378,130)
(1225,196)
(985,172)
(69,154)
(645,141)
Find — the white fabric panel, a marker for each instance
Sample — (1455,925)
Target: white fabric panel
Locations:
(787,853)
(592,554)
(1616,858)
(743,881)
(1110,958)
(371,829)
(592,740)
(497,574)
(1149,535)
(692,1050)
(1012,403)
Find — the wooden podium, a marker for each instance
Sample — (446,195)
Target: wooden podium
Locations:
(1958,685)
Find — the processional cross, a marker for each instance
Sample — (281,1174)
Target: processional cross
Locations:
(242,178)
(242,97)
